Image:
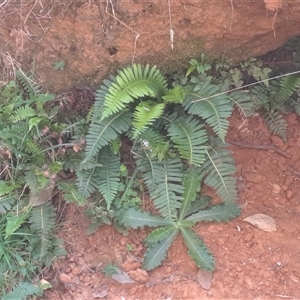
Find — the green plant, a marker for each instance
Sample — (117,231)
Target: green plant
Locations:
(179,215)
(166,127)
(59,65)
(30,165)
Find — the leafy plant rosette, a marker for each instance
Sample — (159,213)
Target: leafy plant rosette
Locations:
(173,154)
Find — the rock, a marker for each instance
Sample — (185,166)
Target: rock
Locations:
(276,189)
(254,177)
(124,241)
(64,278)
(278,142)
(262,222)
(130,264)
(76,271)
(139,275)
(205,279)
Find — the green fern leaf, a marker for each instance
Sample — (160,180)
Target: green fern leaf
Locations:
(6,203)
(88,178)
(14,222)
(215,111)
(159,234)
(275,122)
(288,85)
(132,83)
(218,172)
(154,142)
(42,222)
(169,186)
(98,106)
(150,168)
(243,101)
(144,116)
(189,137)
(100,134)
(175,95)
(191,184)
(23,113)
(156,253)
(197,249)
(218,213)
(138,219)
(109,176)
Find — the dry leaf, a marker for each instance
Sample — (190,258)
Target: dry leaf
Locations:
(122,277)
(262,222)
(205,278)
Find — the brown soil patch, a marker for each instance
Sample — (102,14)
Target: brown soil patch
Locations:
(250,263)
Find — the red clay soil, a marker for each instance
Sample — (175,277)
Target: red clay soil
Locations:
(250,263)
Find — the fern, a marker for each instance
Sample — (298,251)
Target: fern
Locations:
(214,110)
(144,116)
(109,179)
(217,173)
(42,222)
(131,83)
(23,113)
(275,122)
(105,131)
(168,187)
(189,138)
(288,85)
(28,85)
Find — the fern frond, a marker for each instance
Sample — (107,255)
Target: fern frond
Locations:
(155,142)
(191,184)
(109,175)
(215,111)
(144,116)
(28,85)
(288,85)
(23,113)
(175,95)
(87,179)
(243,101)
(218,213)
(101,133)
(138,219)
(218,172)
(156,253)
(98,106)
(275,122)
(42,222)
(169,186)
(189,137)
(6,203)
(132,83)
(197,249)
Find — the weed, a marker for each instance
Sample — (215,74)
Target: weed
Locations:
(59,65)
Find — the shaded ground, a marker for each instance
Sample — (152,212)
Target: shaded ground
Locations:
(250,263)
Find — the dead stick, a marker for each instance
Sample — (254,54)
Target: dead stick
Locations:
(260,147)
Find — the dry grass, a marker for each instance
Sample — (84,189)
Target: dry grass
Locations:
(29,19)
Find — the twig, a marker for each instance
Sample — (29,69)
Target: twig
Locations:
(170,23)
(247,85)
(260,147)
